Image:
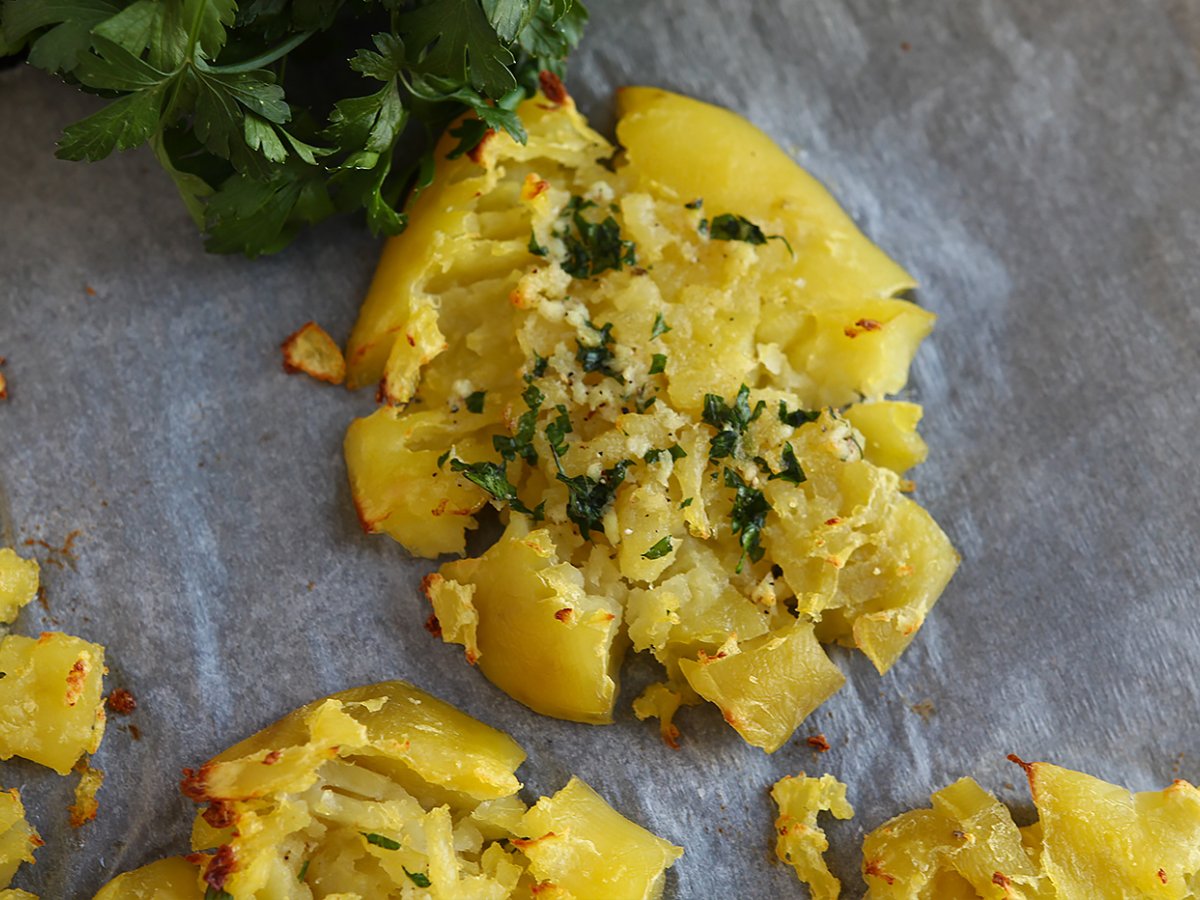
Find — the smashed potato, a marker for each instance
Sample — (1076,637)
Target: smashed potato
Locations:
(18,839)
(1092,840)
(667,367)
(312,351)
(801,843)
(384,791)
(51,699)
(18,583)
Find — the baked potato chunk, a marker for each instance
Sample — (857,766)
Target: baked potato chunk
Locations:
(386,792)
(1092,840)
(51,699)
(801,843)
(641,359)
(18,839)
(18,583)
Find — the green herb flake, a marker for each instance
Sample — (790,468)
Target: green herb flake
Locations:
(695,204)
(686,503)
(791,471)
(797,417)
(589,498)
(731,227)
(380,841)
(660,327)
(748,517)
(303,871)
(493,478)
(593,247)
(535,248)
(557,431)
(658,364)
(520,444)
(538,369)
(475,401)
(212,893)
(598,357)
(731,421)
(420,879)
(659,550)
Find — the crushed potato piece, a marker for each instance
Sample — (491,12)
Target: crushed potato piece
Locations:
(18,839)
(801,843)
(85,807)
(312,351)
(18,583)
(51,699)
(1093,840)
(382,791)
(669,373)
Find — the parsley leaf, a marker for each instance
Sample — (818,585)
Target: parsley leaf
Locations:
(660,327)
(659,550)
(658,364)
(521,442)
(791,470)
(594,247)
(655,454)
(557,431)
(731,421)
(212,893)
(262,140)
(420,879)
(475,401)
(797,417)
(731,227)
(493,478)
(380,840)
(598,357)
(748,517)
(589,498)
(303,870)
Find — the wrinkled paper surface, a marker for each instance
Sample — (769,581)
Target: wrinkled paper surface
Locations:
(1034,164)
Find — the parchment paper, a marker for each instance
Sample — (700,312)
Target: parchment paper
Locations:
(1033,163)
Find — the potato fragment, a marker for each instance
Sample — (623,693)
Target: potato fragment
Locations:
(18,583)
(384,791)
(641,365)
(18,839)
(51,699)
(85,807)
(801,843)
(1093,840)
(312,351)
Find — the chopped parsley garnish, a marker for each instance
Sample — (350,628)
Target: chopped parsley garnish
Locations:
(521,443)
(420,879)
(658,364)
(493,478)
(731,227)
(791,470)
(749,514)
(303,870)
(475,401)
(660,327)
(659,550)
(643,405)
(598,357)
(538,370)
(557,431)
(731,421)
(594,247)
(588,498)
(655,454)
(686,503)
(535,248)
(212,893)
(797,417)
(380,841)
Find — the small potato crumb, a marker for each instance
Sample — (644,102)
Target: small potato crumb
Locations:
(85,807)
(312,351)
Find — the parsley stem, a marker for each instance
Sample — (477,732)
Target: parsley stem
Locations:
(265,59)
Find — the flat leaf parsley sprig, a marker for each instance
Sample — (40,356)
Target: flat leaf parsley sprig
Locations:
(257,110)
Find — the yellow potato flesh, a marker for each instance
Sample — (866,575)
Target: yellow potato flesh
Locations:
(384,791)
(1093,841)
(18,839)
(485,336)
(583,846)
(800,842)
(51,699)
(18,583)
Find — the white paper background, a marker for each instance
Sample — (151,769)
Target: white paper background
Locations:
(1033,163)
